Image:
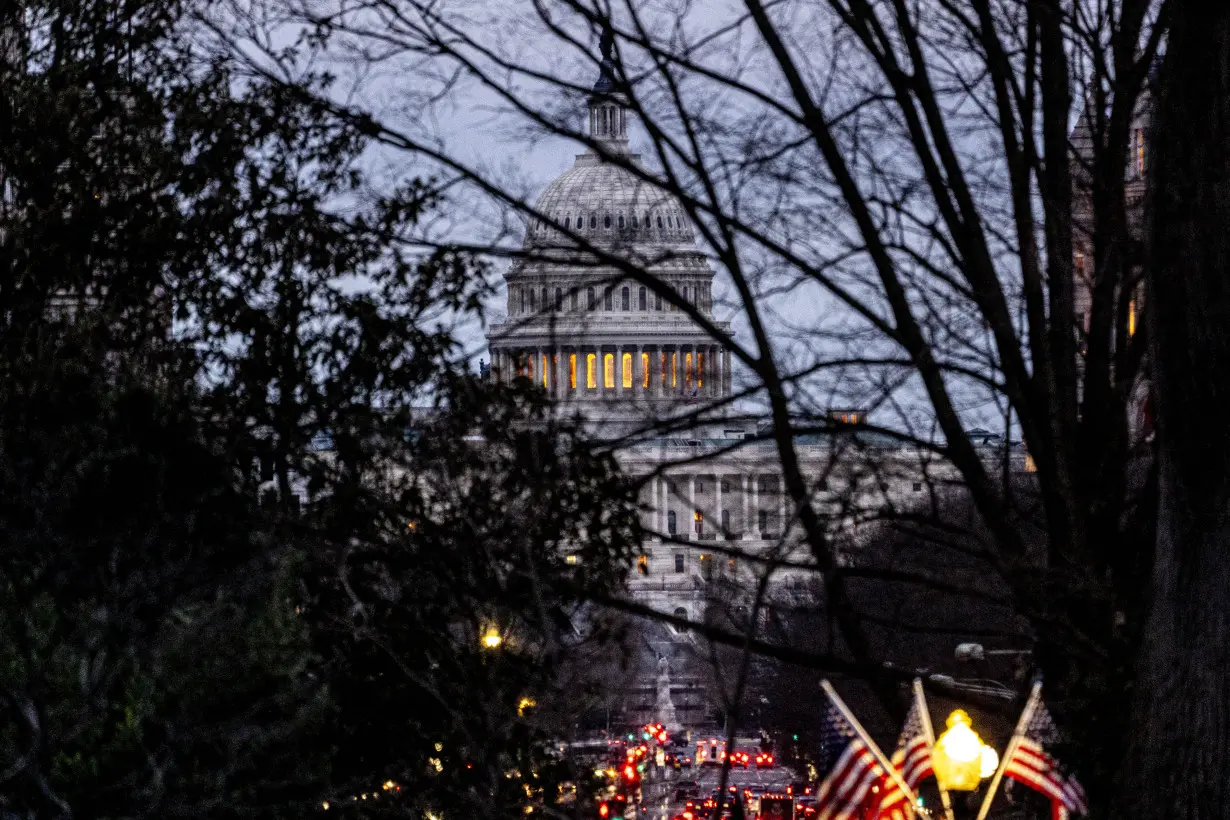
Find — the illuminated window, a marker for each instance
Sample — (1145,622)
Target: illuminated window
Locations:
(698,522)
(545,371)
(1080,264)
(627,371)
(608,371)
(700,369)
(1132,318)
(572,559)
(625,300)
(1030,465)
(572,371)
(642,564)
(730,563)
(662,368)
(645,370)
(591,371)
(674,370)
(687,369)
(1140,152)
(706,566)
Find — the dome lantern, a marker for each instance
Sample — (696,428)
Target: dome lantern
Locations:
(608,108)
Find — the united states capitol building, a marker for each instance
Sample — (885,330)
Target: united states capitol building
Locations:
(645,371)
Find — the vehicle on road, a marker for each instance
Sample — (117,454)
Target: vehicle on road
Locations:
(711,752)
(614,807)
(764,760)
(739,759)
(775,806)
(687,789)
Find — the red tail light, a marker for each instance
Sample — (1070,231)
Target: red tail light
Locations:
(604,811)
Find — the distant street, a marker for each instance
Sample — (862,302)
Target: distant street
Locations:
(658,795)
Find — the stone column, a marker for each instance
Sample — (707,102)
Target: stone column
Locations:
(756,505)
(781,505)
(619,371)
(745,500)
(692,507)
(717,494)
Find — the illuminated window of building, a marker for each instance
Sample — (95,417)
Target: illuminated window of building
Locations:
(1030,465)
(572,371)
(671,522)
(607,298)
(674,370)
(644,300)
(730,563)
(687,369)
(700,369)
(1140,152)
(591,371)
(706,566)
(662,368)
(627,371)
(625,299)
(678,562)
(1132,318)
(546,371)
(642,564)
(608,371)
(698,522)
(1079,264)
(572,559)
(645,370)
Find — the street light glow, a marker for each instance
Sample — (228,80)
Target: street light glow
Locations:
(492,639)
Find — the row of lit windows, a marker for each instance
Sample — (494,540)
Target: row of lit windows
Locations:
(698,521)
(706,564)
(669,367)
(528,298)
(664,221)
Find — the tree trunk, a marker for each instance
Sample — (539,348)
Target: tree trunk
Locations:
(1178,760)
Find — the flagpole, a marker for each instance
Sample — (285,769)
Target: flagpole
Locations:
(924,715)
(1027,713)
(884,762)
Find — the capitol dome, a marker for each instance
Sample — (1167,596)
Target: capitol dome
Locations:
(607,203)
(609,328)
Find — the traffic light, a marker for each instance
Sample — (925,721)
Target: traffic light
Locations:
(662,737)
(794,737)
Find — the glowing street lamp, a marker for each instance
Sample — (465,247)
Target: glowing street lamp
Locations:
(958,756)
(492,639)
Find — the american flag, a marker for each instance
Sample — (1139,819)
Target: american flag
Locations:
(1032,765)
(850,769)
(912,759)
